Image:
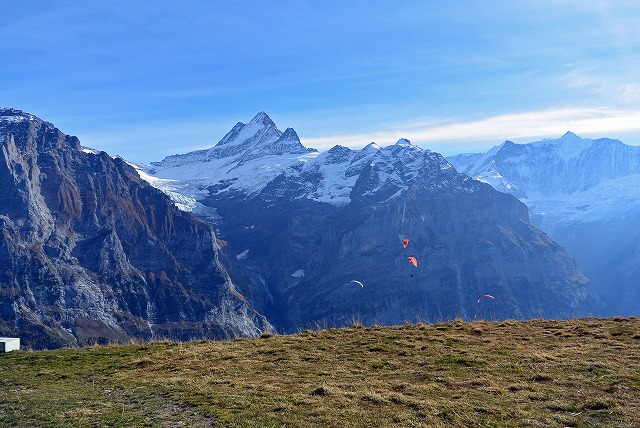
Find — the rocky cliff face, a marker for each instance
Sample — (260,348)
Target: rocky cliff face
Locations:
(91,253)
(305,225)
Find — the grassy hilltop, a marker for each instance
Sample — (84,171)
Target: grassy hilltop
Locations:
(583,372)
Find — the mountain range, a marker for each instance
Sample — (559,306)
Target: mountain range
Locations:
(259,234)
(307,225)
(586,194)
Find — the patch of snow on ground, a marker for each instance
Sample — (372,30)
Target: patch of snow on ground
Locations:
(335,187)
(242,255)
(478,159)
(89,150)
(175,189)
(298,274)
(15,119)
(494,179)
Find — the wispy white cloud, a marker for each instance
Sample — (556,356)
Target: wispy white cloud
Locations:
(534,124)
(620,86)
(629,92)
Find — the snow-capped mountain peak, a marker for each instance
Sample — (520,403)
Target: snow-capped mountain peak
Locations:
(10,115)
(371,147)
(567,147)
(551,166)
(241,131)
(260,134)
(262,119)
(570,136)
(253,155)
(260,131)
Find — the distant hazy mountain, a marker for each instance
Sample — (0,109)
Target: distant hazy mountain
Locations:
(304,224)
(586,194)
(91,253)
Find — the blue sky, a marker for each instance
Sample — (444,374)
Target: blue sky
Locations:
(147,79)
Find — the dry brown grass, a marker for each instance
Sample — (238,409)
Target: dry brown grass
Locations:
(537,373)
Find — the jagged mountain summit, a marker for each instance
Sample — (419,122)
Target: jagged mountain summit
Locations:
(305,224)
(586,194)
(257,152)
(91,253)
(243,143)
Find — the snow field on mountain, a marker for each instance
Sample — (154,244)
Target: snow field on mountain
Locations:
(608,200)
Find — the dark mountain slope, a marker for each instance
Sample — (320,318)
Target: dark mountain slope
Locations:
(468,238)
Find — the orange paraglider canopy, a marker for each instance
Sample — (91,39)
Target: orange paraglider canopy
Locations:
(413,260)
(405,242)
